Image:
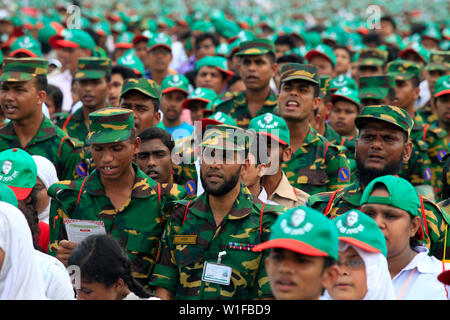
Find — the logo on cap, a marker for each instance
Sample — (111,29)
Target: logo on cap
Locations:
(199,92)
(446,84)
(6,167)
(297,219)
(175,81)
(350,221)
(26,43)
(268,118)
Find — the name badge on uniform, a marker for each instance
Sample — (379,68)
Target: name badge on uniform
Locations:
(217,272)
(185,239)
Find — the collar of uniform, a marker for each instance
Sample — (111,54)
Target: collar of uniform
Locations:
(242,206)
(142,187)
(310,138)
(46,131)
(423,262)
(271,99)
(284,189)
(353,193)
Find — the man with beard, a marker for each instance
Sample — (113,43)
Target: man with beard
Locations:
(381,148)
(206,251)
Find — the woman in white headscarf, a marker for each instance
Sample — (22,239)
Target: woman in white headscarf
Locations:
(20,278)
(363,268)
(47,176)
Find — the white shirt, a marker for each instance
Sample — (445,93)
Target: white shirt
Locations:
(64,82)
(422,272)
(263,197)
(57,282)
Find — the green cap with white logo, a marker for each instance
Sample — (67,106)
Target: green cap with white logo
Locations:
(303,230)
(343,81)
(324,51)
(347,94)
(360,230)
(28,45)
(199,94)
(272,126)
(175,82)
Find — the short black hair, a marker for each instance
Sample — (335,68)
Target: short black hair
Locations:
(390,19)
(285,39)
(207,35)
(233,79)
(56,94)
(158,133)
(41,82)
(125,72)
(372,37)
(292,57)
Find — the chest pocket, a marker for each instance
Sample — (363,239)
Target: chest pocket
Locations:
(142,243)
(314,176)
(244,261)
(188,254)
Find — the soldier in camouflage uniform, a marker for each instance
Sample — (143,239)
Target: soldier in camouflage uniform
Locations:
(218,227)
(132,206)
(93,76)
(370,62)
(391,124)
(257,67)
(380,90)
(187,164)
(407,80)
(316,165)
(22,92)
(438,66)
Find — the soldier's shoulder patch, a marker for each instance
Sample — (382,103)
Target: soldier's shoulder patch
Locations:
(441,154)
(344,174)
(437,131)
(191,187)
(427,174)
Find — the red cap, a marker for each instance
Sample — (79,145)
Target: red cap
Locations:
(444,277)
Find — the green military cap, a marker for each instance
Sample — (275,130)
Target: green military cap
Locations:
(131,60)
(439,60)
(303,230)
(272,126)
(72,38)
(342,81)
(391,114)
(18,171)
(175,82)
(324,83)
(372,57)
(27,45)
(402,194)
(403,69)
(442,86)
(110,125)
(297,71)
(146,86)
(23,69)
(360,230)
(256,47)
(225,137)
(375,87)
(218,62)
(324,51)
(92,68)
(159,40)
(199,94)
(347,94)
(417,49)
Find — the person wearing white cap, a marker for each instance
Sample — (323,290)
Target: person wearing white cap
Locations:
(46,176)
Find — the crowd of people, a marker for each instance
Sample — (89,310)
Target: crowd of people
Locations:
(216,156)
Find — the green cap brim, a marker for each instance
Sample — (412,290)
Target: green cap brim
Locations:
(16,76)
(360,121)
(401,76)
(371,62)
(89,74)
(433,66)
(297,77)
(140,90)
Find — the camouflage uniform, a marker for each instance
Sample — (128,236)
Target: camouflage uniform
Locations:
(349,197)
(139,224)
(50,141)
(236,105)
(193,238)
